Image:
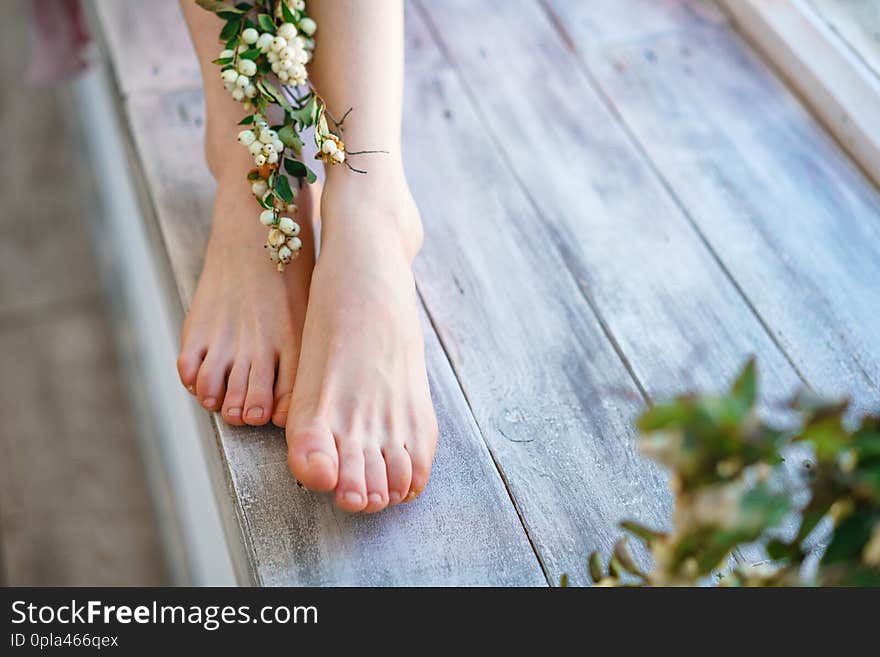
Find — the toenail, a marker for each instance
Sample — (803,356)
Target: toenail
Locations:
(353,498)
(375,497)
(209,402)
(192,389)
(317,459)
(413,494)
(256,411)
(233,412)
(394,497)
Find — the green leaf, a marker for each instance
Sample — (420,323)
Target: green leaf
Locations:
(266,23)
(248,120)
(850,538)
(289,138)
(217,6)
(299,170)
(268,201)
(282,188)
(287,13)
(595,563)
(745,388)
(251,53)
(230,29)
(625,558)
(642,532)
(269,89)
(222,61)
(307,114)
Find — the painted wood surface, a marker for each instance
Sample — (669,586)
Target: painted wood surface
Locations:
(566,275)
(858,23)
(788,215)
(836,83)
(297,537)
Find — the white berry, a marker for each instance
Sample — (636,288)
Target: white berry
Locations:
(246,137)
(268,136)
(250,36)
(229,75)
(242,81)
(238,93)
(265,41)
(259,159)
(255,147)
(339,156)
(279,43)
(247,67)
(285,254)
(225,54)
(329,146)
(308,26)
(267,217)
(285,225)
(259,187)
(288,31)
(276,237)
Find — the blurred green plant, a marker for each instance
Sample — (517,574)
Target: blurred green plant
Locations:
(721,456)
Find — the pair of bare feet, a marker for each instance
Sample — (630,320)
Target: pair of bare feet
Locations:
(331,349)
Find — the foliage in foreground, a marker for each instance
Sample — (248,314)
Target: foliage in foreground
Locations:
(722,456)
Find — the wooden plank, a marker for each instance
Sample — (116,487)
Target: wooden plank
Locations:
(150,45)
(858,23)
(609,21)
(296,537)
(678,320)
(792,220)
(835,82)
(551,396)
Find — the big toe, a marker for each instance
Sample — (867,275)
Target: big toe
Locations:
(312,457)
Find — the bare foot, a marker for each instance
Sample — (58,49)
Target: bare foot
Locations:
(240,342)
(361,419)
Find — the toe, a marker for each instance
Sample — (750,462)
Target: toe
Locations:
(312,456)
(188,363)
(421,451)
(258,402)
(399,468)
(351,491)
(236,389)
(376,479)
(283,387)
(211,381)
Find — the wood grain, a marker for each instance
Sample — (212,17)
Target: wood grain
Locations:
(600,22)
(838,86)
(789,216)
(678,320)
(296,537)
(550,394)
(149,44)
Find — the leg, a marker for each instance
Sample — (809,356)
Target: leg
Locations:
(361,419)
(241,338)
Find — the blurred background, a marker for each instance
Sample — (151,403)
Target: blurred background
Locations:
(74,504)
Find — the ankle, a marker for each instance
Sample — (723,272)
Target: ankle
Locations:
(378,202)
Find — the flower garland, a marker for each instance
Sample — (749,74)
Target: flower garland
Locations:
(275,39)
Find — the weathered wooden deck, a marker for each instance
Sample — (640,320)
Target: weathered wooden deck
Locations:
(623,202)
